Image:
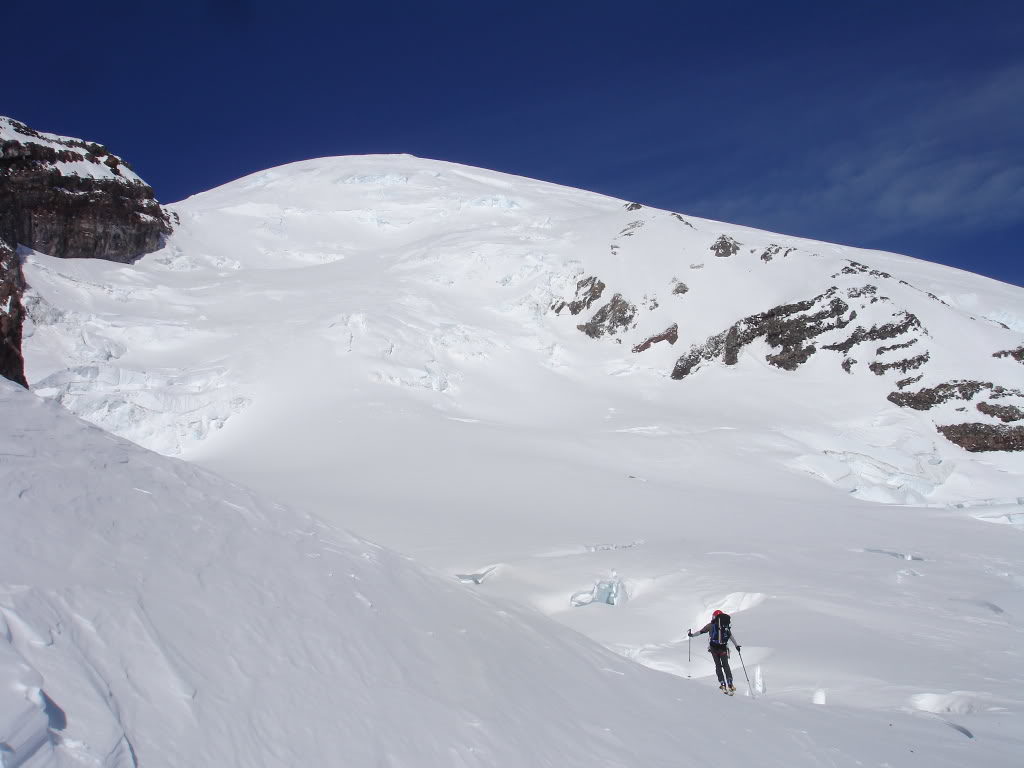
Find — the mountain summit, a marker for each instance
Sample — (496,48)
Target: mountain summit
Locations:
(573,413)
(425,275)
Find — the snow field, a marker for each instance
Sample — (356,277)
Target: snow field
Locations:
(384,326)
(173,618)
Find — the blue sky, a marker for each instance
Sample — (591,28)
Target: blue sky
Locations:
(894,125)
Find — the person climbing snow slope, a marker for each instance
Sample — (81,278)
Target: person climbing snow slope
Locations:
(719,630)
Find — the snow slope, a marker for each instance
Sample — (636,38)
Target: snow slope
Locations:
(157,615)
(433,277)
(375,340)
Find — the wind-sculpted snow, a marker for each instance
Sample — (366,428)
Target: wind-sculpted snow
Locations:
(25,728)
(176,619)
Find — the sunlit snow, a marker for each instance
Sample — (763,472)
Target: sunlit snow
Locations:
(370,343)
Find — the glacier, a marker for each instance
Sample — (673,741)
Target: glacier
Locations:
(371,344)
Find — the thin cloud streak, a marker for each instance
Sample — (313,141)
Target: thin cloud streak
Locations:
(900,177)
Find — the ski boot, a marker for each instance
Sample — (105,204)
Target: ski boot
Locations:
(732,690)
(723,689)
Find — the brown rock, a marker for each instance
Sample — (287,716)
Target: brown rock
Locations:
(615,316)
(904,383)
(1005,413)
(670,334)
(877,333)
(984,437)
(788,328)
(588,290)
(959,389)
(1016,354)
(891,347)
(43,205)
(902,366)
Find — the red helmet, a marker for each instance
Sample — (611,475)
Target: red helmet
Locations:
(716,613)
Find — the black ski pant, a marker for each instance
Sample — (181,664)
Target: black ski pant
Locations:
(721,657)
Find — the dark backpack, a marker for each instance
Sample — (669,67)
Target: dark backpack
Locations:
(720,630)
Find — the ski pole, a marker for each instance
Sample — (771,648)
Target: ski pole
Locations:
(749,686)
(689,639)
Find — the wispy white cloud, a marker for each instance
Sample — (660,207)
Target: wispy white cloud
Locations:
(946,156)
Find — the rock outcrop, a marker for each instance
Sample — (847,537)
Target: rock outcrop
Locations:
(670,334)
(1005,413)
(866,319)
(1015,354)
(74,199)
(788,328)
(11,315)
(904,365)
(588,290)
(977,438)
(614,317)
(973,437)
(725,247)
(773,250)
(907,323)
(70,199)
(959,389)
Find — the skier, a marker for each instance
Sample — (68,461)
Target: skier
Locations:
(720,633)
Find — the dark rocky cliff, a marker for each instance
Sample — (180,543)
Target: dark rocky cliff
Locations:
(70,199)
(11,315)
